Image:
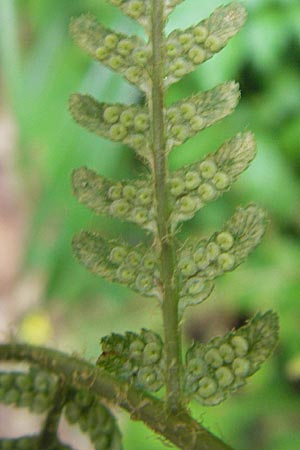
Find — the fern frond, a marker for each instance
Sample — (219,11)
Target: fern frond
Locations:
(189,116)
(130,201)
(226,249)
(34,390)
(215,370)
(127,55)
(186,49)
(136,358)
(200,262)
(195,185)
(136,267)
(117,122)
(93,418)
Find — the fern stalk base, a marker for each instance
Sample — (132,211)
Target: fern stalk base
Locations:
(180,429)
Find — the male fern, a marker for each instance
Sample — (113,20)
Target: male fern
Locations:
(176,273)
(180,274)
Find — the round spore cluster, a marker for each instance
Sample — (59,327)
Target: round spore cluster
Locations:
(125,54)
(206,261)
(127,124)
(189,48)
(194,186)
(134,357)
(136,9)
(122,122)
(184,120)
(222,252)
(130,200)
(197,184)
(136,268)
(214,370)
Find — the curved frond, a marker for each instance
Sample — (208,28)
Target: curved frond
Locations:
(34,390)
(95,419)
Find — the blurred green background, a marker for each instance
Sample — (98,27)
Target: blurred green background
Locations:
(56,301)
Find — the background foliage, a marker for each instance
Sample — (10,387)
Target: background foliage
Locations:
(40,68)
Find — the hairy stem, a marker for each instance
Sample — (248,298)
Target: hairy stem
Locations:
(179,428)
(172,335)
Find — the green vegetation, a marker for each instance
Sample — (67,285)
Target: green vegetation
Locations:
(270,280)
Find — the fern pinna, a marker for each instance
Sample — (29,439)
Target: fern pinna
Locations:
(176,273)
